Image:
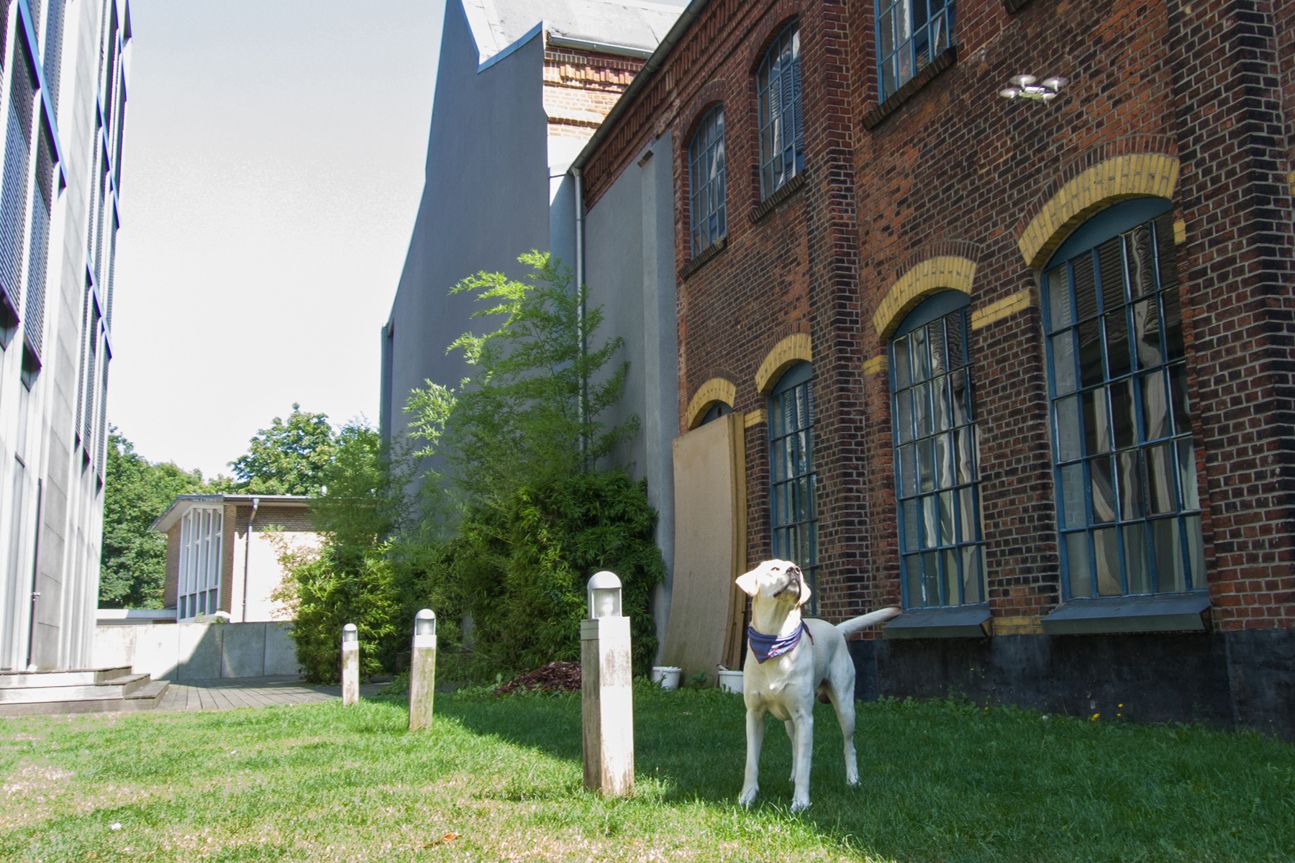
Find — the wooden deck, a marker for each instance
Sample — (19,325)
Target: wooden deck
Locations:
(250,692)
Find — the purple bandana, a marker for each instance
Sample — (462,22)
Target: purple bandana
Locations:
(766,647)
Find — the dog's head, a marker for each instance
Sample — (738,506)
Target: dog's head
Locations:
(779,580)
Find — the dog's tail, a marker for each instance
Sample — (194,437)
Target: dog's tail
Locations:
(863,621)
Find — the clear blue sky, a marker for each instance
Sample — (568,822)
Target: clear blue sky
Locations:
(273,164)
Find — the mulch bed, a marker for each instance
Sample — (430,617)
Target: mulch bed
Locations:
(554,677)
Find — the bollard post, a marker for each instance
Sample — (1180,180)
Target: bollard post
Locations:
(350,664)
(422,670)
(607,699)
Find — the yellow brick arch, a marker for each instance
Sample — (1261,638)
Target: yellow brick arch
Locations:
(1112,180)
(796,348)
(714,390)
(940,273)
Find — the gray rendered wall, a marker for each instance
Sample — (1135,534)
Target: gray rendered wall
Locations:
(485,201)
(629,268)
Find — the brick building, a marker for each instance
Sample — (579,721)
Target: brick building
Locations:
(1022,365)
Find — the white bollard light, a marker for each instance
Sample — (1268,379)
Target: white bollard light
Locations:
(422,670)
(607,699)
(350,664)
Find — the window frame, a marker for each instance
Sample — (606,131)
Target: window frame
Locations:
(1124,456)
(794,538)
(966,540)
(708,188)
(907,56)
(781,58)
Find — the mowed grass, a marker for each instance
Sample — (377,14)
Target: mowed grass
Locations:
(501,779)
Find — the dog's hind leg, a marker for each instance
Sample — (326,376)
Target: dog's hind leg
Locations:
(754,741)
(844,706)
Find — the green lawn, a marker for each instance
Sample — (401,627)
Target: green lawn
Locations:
(500,779)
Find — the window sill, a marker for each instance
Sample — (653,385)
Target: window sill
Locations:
(707,254)
(1177,612)
(970,621)
(785,191)
(877,115)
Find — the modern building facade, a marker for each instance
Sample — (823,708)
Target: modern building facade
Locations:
(224,554)
(63,97)
(521,87)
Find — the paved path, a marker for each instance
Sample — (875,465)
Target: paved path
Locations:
(250,692)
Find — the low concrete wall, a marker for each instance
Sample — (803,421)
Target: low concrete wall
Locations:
(197,651)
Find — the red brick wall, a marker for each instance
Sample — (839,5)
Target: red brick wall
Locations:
(953,165)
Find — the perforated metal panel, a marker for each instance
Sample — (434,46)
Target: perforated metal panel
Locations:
(14,185)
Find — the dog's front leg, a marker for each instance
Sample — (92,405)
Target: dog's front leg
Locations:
(754,740)
(801,756)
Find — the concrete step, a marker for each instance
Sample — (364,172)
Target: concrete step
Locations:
(145,696)
(116,687)
(74,677)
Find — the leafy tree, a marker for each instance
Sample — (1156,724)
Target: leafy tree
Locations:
(289,457)
(529,409)
(136,492)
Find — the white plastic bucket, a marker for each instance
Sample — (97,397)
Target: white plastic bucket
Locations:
(730,681)
(666,676)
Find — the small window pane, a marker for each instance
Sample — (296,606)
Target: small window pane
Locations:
(1123,407)
(1060,315)
(1132,489)
(1117,343)
(971,579)
(1090,353)
(1169,555)
(1106,557)
(899,356)
(1079,564)
(1074,512)
(1135,558)
(1102,489)
(1155,406)
(1160,479)
(1069,437)
(1063,362)
(1146,328)
(1195,551)
(1097,430)
(1110,255)
(1187,475)
(966,456)
(1178,394)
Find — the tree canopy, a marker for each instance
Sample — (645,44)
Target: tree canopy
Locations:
(289,457)
(136,492)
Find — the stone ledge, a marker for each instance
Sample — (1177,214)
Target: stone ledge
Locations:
(892,103)
(785,191)
(1179,612)
(699,260)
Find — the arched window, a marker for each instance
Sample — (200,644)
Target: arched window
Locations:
(1128,512)
(910,34)
(708,181)
(714,412)
(792,480)
(781,120)
(936,472)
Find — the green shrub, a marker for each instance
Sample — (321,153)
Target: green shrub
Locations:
(521,569)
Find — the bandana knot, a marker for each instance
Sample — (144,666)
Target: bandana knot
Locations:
(766,647)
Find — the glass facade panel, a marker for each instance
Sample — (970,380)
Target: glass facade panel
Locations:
(1125,466)
(781,120)
(708,179)
(910,34)
(935,459)
(791,471)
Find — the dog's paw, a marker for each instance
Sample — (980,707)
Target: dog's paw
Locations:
(799,804)
(852,778)
(747,797)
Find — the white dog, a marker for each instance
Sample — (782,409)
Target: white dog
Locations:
(789,661)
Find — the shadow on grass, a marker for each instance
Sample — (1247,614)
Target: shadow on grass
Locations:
(953,781)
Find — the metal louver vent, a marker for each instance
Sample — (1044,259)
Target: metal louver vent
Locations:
(13,184)
(34,319)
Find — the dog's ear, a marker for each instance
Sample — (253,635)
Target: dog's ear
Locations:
(804,591)
(749,582)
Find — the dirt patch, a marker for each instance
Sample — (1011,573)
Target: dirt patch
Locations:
(554,677)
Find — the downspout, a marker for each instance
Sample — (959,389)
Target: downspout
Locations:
(580,317)
(35,578)
(247,554)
